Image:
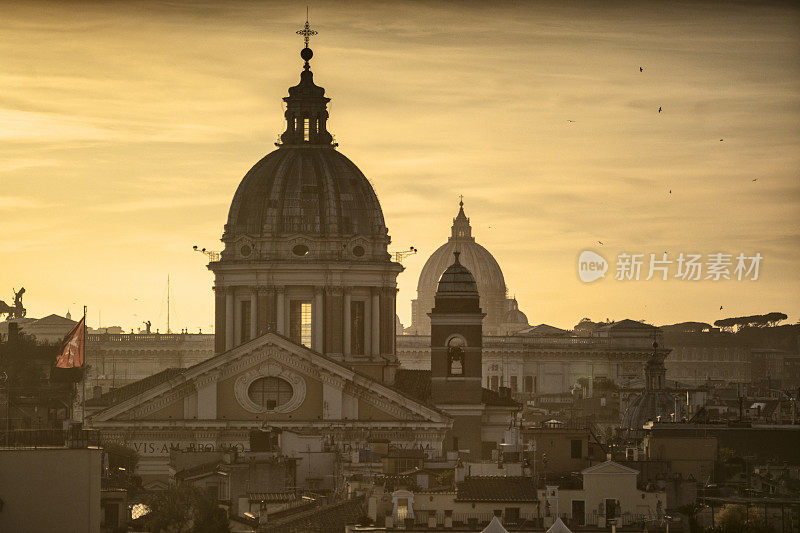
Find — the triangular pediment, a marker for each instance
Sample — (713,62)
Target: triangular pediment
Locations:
(609,467)
(318,386)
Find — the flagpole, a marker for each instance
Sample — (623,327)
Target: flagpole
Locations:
(85,366)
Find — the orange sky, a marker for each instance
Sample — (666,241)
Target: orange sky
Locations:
(126,128)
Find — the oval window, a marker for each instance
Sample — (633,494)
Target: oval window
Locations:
(358,251)
(270,392)
(300,250)
(246,250)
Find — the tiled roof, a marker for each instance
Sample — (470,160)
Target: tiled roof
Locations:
(496,489)
(493,398)
(132,389)
(417,384)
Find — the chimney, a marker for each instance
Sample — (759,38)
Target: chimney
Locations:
(13,332)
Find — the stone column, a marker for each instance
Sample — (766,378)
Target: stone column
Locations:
(376,323)
(280,310)
(253,313)
(219,319)
(229,303)
(317,322)
(264,310)
(333,322)
(348,298)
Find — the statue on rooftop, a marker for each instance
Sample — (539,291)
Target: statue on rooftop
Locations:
(17,310)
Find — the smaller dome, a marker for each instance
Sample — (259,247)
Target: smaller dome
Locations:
(457,278)
(515,316)
(651,405)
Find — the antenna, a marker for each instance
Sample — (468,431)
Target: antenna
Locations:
(212,255)
(399,256)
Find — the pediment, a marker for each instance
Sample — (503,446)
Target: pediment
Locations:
(609,467)
(232,372)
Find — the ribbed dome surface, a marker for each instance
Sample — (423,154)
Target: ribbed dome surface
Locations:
(474,257)
(515,316)
(457,279)
(649,405)
(311,190)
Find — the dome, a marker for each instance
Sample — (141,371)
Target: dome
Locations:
(515,316)
(457,279)
(309,190)
(479,261)
(475,257)
(654,402)
(648,406)
(305,201)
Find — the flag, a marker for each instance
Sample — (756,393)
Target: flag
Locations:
(72,347)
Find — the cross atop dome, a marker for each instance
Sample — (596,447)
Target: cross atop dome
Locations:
(306,53)
(306,106)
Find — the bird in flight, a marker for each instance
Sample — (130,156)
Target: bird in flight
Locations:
(720,140)
(670,191)
(601,243)
(641,69)
(720,308)
(568,120)
(659,109)
(756,179)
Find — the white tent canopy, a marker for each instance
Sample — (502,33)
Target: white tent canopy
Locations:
(559,527)
(496,527)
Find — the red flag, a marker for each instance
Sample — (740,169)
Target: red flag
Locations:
(72,347)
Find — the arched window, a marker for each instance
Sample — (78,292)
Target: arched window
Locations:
(270,392)
(455,356)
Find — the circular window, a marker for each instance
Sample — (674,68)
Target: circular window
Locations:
(270,392)
(358,251)
(245,250)
(300,250)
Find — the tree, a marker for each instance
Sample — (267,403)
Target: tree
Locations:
(739,519)
(185,509)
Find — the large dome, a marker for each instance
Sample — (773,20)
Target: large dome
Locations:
(480,262)
(305,201)
(308,190)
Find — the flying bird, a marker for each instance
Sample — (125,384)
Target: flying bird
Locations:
(659,109)
(601,243)
(720,308)
(568,120)
(670,191)
(756,179)
(720,140)
(641,69)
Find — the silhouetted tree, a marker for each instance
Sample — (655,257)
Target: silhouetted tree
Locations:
(737,519)
(185,509)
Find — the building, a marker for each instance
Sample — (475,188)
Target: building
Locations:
(559,448)
(502,313)
(610,492)
(655,403)
(51,483)
(306,249)
(116,360)
(707,356)
(456,368)
(305,318)
(691,456)
(546,360)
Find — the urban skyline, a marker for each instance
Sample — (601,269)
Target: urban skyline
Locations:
(127,128)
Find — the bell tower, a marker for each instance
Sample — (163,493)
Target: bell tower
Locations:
(456,346)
